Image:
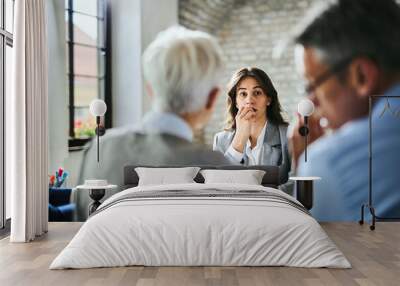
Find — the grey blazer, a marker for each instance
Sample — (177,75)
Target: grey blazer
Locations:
(275,151)
(121,147)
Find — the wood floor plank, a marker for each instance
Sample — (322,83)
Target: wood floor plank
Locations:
(374,255)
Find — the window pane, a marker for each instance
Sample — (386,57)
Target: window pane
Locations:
(102,89)
(67,85)
(102,64)
(102,21)
(102,6)
(86,89)
(85,61)
(1,16)
(9,15)
(101,33)
(66,25)
(89,62)
(2,137)
(8,78)
(85,29)
(85,6)
(67,58)
(85,123)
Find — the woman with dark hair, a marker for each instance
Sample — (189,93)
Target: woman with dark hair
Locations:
(256,131)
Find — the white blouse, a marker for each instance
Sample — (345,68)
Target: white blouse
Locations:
(252,154)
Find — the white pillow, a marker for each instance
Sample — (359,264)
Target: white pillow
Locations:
(162,176)
(248,177)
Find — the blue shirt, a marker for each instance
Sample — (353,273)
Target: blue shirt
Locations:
(341,160)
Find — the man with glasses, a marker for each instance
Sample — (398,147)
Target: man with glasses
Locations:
(348,51)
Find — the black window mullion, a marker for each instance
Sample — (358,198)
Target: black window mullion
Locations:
(6,39)
(84,14)
(89,76)
(2,130)
(108,70)
(99,35)
(2,111)
(7,34)
(3,13)
(71,69)
(85,45)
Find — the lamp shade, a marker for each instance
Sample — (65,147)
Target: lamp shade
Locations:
(305,107)
(98,107)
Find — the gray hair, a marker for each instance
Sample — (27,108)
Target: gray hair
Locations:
(344,29)
(182,66)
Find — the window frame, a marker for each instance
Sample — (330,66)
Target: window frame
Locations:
(103,7)
(6,39)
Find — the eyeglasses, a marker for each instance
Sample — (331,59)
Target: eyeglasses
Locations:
(310,88)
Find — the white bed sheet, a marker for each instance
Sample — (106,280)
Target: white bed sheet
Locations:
(202,232)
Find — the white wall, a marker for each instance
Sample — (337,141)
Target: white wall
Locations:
(135,23)
(126,51)
(58,97)
(157,15)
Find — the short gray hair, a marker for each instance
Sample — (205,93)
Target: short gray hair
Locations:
(182,66)
(343,29)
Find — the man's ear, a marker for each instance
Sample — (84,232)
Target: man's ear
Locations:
(212,98)
(149,90)
(364,75)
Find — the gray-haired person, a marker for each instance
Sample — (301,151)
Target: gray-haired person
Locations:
(348,51)
(181,69)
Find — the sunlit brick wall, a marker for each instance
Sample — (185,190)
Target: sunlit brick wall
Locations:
(248,31)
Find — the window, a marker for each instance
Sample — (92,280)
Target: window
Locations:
(6,44)
(88,62)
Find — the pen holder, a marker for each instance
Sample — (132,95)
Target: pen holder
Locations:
(59,196)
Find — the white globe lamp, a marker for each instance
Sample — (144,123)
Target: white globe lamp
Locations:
(98,108)
(305,108)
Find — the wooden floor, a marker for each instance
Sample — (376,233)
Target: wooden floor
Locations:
(374,255)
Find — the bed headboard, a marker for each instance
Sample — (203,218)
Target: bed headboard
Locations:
(270,179)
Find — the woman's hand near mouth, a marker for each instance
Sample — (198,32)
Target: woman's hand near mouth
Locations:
(244,118)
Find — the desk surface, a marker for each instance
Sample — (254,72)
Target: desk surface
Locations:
(374,255)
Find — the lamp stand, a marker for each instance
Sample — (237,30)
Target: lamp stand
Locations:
(98,137)
(369,205)
(303,130)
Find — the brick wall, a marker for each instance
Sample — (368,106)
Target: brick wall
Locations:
(248,31)
(205,15)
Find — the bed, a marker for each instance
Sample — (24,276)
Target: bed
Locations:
(201,224)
